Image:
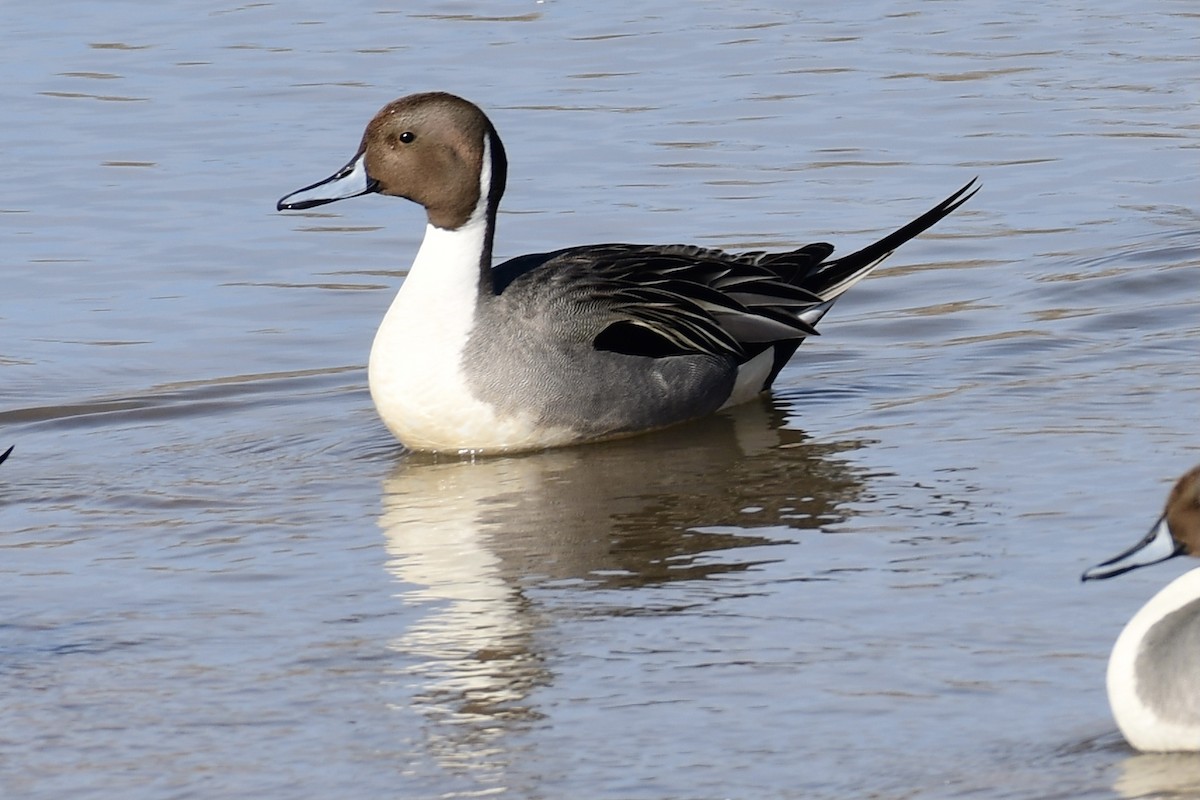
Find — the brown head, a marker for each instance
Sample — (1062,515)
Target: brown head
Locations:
(431,148)
(1183,512)
(1177,532)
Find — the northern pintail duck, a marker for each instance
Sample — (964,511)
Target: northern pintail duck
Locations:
(1154,670)
(579,344)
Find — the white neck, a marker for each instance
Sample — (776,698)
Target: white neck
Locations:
(415,366)
(432,315)
(446,269)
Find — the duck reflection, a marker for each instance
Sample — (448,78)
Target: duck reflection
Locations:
(479,542)
(1159,775)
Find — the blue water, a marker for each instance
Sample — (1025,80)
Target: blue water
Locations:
(222,578)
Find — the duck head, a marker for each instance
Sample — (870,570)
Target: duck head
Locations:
(1176,533)
(435,149)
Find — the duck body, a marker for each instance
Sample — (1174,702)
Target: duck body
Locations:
(554,388)
(1153,678)
(579,344)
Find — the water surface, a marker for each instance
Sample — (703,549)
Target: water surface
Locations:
(222,578)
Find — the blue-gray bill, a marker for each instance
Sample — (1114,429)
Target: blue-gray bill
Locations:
(1156,546)
(349,181)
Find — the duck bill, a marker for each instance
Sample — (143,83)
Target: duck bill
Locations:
(349,181)
(1157,545)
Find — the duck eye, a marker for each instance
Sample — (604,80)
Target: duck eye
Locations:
(408,137)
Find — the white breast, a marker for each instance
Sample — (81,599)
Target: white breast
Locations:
(415,371)
(1144,729)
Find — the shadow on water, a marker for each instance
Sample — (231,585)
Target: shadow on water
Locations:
(489,545)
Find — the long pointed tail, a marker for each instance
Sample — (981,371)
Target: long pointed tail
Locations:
(839,274)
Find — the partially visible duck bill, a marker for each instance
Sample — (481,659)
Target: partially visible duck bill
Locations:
(576,344)
(1153,674)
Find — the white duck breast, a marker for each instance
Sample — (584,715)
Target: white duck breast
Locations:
(579,344)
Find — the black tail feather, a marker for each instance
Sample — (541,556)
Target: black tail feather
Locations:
(837,270)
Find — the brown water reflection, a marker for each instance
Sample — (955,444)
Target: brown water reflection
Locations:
(475,541)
